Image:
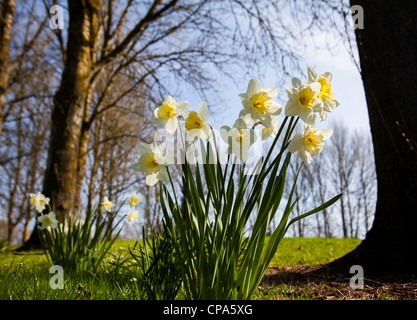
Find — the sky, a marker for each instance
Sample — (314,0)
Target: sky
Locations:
(346,84)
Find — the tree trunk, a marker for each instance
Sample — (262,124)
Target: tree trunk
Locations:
(68,112)
(388,57)
(7,9)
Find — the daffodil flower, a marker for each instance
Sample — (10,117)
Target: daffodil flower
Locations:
(48,220)
(309,143)
(304,101)
(39,201)
(326,93)
(133,200)
(196,123)
(107,205)
(258,104)
(167,114)
(133,216)
(152,162)
(239,139)
(271,131)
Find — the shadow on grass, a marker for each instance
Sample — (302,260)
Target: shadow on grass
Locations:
(318,282)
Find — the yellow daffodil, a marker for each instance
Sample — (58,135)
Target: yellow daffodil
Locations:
(303,101)
(196,123)
(48,220)
(239,139)
(133,200)
(133,216)
(39,201)
(107,205)
(326,93)
(167,114)
(258,104)
(152,162)
(309,143)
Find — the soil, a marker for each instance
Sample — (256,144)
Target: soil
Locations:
(316,282)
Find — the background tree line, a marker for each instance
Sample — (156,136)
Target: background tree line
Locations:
(76,101)
(69,89)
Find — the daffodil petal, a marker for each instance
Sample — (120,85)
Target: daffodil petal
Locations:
(171,125)
(163,174)
(143,148)
(311,74)
(224,133)
(202,111)
(254,86)
(151,179)
(326,133)
(296,83)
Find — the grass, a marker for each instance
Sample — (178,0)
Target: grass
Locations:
(24,277)
(308,251)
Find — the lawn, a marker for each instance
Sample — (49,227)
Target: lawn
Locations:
(309,251)
(26,276)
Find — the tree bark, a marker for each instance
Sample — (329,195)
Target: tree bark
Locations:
(7,9)
(68,112)
(388,58)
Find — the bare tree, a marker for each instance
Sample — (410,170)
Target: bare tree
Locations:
(365,182)
(7,9)
(317,176)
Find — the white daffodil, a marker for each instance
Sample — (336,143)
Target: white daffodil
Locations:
(167,114)
(133,216)
(271,131)
(133,200)
(107,205)
(326,93)
(39,201)
(303,101)
(309,143)
(48,220)
(196,123)
(152,162)
(239,138)
(258,104)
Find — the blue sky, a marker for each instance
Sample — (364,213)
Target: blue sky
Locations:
(347,86)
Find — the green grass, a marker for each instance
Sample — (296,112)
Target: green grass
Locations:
(27,276)
(310,251)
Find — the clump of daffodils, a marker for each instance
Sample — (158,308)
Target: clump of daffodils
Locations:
(168,112)
(306,101)
(48,220)
(38,201)
(133,214)
(309,143)
(314,96)
(107,205)
(221,207)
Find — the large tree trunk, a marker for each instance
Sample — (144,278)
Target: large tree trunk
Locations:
(68,113)
(7,9)
(388,57)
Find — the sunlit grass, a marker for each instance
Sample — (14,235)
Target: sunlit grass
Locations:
(26,277)
(310,251)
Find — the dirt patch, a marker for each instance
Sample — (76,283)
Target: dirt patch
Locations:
(315,282)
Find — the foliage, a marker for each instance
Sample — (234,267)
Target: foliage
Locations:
(80,244)
(160,275)
(219,261)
